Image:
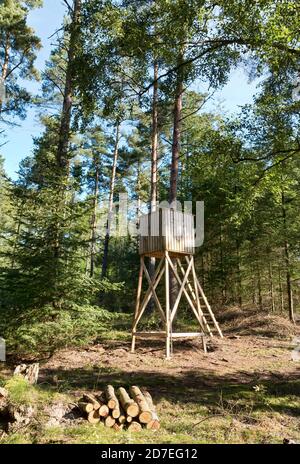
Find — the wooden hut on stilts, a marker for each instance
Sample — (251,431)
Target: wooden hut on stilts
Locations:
(169,236)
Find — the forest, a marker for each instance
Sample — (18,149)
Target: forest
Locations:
(122,116)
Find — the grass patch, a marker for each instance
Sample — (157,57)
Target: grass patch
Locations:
(195,404)
(21,392)
(231,414)
(115,335)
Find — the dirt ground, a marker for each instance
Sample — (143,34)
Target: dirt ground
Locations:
(254,348)
(246,389)
(247,359)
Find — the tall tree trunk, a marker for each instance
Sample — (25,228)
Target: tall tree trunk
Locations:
(176,140)
(223,280)
(175,162)
(154,156)
(210,285)
(138,188)
(260,302)
(20,209)
(280,292)
(16,241)
(271,288)
(239,276)
(154,149)
(253,284)
(287,261)
(62,157)
(4,69)
(6,56)
(94,218)
(111,201)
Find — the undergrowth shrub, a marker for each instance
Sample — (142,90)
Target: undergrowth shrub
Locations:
(39,332)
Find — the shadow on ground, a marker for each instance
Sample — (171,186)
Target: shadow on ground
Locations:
(202,387)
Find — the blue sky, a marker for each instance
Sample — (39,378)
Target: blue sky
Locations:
(46,21)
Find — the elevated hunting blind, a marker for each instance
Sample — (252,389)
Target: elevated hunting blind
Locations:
(169,236)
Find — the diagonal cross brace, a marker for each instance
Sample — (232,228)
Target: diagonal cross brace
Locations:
(156,279)
(152,289)
(185,292)
(174,309)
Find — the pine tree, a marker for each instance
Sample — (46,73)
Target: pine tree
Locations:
(19,46)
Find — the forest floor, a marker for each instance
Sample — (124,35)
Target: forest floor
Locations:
(246,389)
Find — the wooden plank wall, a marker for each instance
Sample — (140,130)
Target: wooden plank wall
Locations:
(166,229)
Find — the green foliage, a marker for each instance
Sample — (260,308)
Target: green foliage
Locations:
(19,46)
(245,167)
(39,332)
(6,211)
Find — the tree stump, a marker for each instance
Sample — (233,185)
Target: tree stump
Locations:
(19,416)
(30,373)
(3,401)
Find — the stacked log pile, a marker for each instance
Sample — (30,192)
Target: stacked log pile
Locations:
(119,409)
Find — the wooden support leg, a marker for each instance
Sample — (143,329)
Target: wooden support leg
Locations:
(133,343)
(204,344)
(157,277)
(137,306)
(168,340)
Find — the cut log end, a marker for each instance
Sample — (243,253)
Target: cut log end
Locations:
(109,421)
(122,419)
(85,407)
(132,410)
(153,425)
(93,417)
(116,413)
(111,404)
(145,417)
(135,427)
(103,410)
(118,427)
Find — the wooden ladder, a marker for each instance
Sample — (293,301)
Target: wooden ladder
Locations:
(208,316)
